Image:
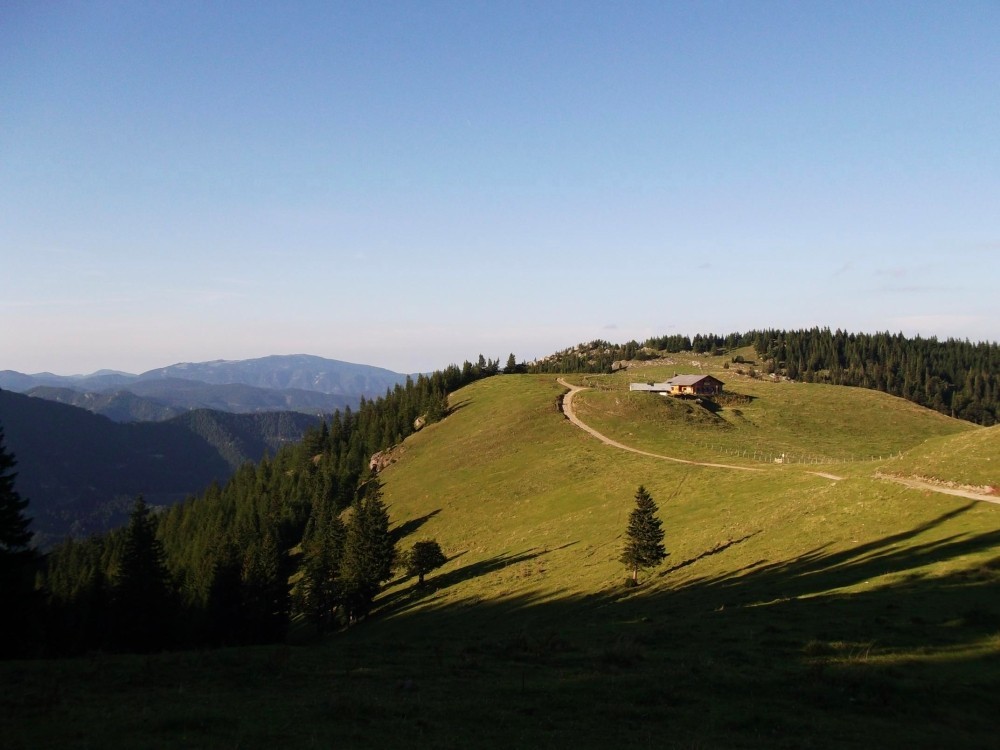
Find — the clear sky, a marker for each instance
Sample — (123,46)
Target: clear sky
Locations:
(410,184)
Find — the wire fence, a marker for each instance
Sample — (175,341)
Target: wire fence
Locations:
(772,456)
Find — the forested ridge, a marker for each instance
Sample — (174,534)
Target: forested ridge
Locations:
(82,471)
(957,378)
(218,566)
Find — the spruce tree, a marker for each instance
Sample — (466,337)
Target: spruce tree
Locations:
(224,605)
(16,562)
(321,589)
(265,600)
(369,551)
(143,596)
(644,537)
(14,533)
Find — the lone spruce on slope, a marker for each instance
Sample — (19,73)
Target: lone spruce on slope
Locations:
(644,537)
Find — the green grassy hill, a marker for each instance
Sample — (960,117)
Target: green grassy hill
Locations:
(971,457)
(794,610)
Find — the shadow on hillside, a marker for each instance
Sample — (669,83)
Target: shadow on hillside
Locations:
(818,571)
(458,405)
(408,596)
(717,549)
(779,639)
(775,654)
(406,528)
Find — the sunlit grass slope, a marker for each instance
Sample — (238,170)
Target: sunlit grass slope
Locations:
(506,475)
(859,589)
(760,419)
(793,610)
(970,458)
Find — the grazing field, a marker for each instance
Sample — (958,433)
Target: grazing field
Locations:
(969,458)
(760,419)
(793,610)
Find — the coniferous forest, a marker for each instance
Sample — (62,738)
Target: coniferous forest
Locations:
(306,532)
(957,378)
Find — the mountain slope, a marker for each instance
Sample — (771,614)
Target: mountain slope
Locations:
(157,400)
(826,609)
(969,458)
(299,371)
(312,385)
(119,406)
(238,397)
(81,472)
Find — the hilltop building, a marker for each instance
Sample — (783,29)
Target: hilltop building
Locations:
(683,385)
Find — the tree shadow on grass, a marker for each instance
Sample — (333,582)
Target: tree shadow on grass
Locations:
(819,570)
(408,527)
(458,405)
(858,647)
(717,549)
(405,597)
(864,642)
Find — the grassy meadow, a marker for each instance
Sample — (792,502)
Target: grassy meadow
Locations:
(793,610)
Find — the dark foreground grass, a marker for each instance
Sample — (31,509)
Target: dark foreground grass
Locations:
(751,660)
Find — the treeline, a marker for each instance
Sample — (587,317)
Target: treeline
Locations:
(954,377)
(957,378)
(304,531)
(600,356)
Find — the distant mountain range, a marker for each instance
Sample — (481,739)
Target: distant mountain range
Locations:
(81,472)
(87,445)
(299,382)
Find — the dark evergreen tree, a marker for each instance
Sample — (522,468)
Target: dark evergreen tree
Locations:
(16,564)
(143,600)
(224,605)
(14,534)
(424,557)
(644,536)
(320,591)
(265,601)
(369,551)
(511,366)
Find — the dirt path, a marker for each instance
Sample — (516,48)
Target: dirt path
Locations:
(918,484)
(567,406)
(825,475)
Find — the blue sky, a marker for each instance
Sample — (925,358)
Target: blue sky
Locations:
(411,184)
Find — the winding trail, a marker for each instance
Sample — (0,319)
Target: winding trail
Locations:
(567,406)
(825,475)
(916,484)
(919,484)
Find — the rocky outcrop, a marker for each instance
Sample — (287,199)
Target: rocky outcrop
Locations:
(382,459)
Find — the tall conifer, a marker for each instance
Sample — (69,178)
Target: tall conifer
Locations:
(143,601)
(369,551)
(644,536)
(16,561)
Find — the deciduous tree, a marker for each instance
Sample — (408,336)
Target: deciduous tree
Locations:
(424,557)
